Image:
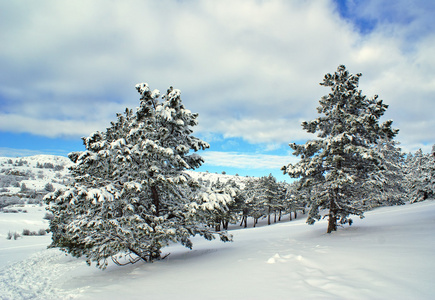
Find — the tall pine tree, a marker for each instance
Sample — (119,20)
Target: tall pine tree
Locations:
(343,162)
(130,196)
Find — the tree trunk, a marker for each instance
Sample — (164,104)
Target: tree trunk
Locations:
(225,224)
(332,222)
(332,218)
(154,255)
(296,214)
(156,200)
(244,218)
(290,215)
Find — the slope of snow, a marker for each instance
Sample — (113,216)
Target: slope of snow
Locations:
(387,255)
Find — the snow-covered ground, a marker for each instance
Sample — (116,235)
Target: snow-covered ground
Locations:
(387,255)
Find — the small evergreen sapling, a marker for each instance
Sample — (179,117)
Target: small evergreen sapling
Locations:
(130,196)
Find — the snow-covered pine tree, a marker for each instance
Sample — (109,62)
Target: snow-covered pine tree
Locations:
(421,175)
(282,204)
(431,169)
(394,191)
(130,196)
(296,198)
(343,161)
(252,195)
(235,207)
(214,203)
(414,164)
(269,195)
(246,201)
(261,198)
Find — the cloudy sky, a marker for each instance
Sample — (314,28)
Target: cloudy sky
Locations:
(251,69)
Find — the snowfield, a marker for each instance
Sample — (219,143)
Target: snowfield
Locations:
(387,255)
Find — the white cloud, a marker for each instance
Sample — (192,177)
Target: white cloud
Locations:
(49,127)
(260,130)
(250,68)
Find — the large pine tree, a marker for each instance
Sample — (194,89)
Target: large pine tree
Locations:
(130,196)
(343,163)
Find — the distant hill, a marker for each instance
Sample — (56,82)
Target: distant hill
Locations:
(29,179)
(213,177)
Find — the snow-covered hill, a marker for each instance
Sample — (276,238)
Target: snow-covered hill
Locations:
(25,180)
(387,255)
(35,172)
(213,177)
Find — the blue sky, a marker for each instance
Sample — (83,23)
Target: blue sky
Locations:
(251,69)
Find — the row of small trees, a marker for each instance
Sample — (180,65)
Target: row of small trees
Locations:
(256,198)
(130,196)
(406,178)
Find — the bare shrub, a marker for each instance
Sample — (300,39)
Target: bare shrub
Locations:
(48,216)
(14,235)
(27,232)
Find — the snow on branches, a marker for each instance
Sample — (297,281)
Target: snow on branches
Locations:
(343,163)
(420,175)
(130,196)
